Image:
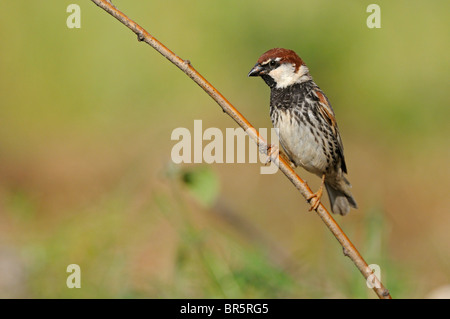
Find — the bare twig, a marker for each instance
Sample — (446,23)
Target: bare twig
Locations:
(185,65)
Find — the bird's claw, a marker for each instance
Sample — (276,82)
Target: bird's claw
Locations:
(314,200)
(273,152)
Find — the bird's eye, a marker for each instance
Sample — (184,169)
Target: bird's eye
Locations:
(272,63)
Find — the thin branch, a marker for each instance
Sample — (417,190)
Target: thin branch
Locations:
(185,65)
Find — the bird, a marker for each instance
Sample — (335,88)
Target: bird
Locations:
(306,125)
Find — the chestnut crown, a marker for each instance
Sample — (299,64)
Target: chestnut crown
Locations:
(280,68)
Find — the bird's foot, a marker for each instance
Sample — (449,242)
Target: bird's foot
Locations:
(314,199)
(273,152)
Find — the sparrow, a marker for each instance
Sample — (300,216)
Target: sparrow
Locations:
(306,125)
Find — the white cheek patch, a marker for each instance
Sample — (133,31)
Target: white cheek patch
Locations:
(285,75)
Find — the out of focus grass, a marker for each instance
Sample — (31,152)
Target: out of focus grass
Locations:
(85,122)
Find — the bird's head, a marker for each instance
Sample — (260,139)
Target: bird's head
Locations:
(281,68)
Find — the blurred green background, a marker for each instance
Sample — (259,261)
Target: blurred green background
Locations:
(86,176)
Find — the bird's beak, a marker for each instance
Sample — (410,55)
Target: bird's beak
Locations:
(256,71)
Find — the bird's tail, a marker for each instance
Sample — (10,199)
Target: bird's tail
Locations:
(341,199)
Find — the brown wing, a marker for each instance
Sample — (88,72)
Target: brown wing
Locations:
(327,113)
